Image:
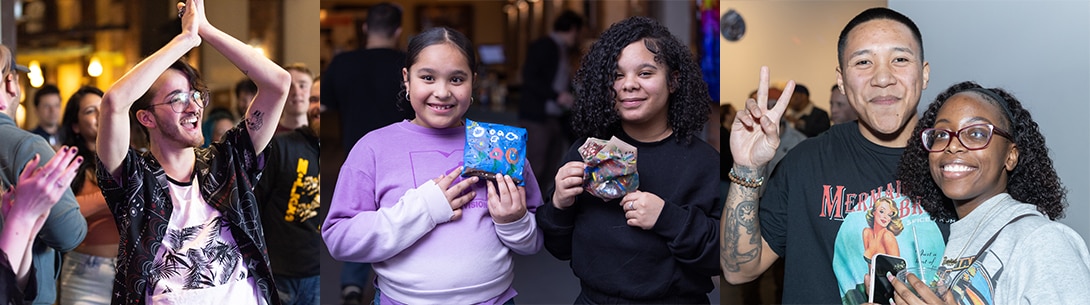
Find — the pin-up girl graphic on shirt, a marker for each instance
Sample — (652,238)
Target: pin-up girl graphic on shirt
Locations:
(884,224)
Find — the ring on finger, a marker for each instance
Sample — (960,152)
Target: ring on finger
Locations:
(632,205)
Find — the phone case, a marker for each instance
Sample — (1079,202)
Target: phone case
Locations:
(881,290)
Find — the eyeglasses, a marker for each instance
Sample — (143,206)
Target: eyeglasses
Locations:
(180,101)
(972,137)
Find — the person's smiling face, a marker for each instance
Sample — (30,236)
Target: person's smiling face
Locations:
(969,177)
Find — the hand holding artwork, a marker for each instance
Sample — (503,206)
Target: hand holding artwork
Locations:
(569,183)
(456,194)
(506,200)
(642,209)
(755,133)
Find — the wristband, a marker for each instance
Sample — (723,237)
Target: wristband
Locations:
(750,183)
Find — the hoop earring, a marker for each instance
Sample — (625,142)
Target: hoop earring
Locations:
(471,100)
(406,95)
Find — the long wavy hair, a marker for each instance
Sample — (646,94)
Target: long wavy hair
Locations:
(594,113)
(69,136)
(1032,181)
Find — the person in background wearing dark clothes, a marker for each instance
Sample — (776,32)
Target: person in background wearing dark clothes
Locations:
(288,195)
(363,86)
(658,244)
(363,83)
(47,104)
(802,114)
(546,97)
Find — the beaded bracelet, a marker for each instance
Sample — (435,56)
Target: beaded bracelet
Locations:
(750,183)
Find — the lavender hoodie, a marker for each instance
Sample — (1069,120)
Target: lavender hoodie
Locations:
(387,211)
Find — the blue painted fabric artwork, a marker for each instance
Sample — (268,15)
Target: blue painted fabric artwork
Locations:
(494,149)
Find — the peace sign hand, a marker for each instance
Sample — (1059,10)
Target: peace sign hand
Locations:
(755,133)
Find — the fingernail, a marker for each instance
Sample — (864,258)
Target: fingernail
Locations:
(79,159)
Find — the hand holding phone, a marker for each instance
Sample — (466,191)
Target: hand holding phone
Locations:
(880,289)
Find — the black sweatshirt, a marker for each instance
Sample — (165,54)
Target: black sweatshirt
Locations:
(671,263)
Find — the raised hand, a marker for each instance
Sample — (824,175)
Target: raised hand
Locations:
(190,22)
(569,183)
(456,194)
(755,133)
(506,200)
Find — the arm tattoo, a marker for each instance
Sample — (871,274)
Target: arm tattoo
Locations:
(739,221)
(255,121)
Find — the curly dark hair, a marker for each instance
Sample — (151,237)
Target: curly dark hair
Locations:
(594,114)
(70,137)
(1032,181)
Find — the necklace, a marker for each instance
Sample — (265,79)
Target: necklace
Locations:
(950,263)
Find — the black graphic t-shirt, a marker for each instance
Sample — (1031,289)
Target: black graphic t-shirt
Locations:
(290,204)
(832,204)
(142,207)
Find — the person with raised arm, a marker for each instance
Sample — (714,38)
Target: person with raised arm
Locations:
(815,202)
(191,230)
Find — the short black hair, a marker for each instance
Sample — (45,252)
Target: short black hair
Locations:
(567,21)
(45,90)
(874,14)
(799,88)
(245,85)
(383,18)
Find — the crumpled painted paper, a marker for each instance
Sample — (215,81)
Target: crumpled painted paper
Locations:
(611,168)
(494,149)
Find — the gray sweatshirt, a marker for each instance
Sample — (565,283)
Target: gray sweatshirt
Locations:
(1032,261)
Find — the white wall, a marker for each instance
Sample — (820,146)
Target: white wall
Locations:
(1039,51)
(796,39)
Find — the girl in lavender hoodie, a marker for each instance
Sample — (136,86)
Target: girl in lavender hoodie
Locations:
(433,237)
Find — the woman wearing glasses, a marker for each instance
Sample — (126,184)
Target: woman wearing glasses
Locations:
(980,161)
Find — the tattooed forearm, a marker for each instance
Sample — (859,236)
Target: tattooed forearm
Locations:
(741,232)
(256,120)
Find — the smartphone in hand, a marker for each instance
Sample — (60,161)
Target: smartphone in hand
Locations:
(880,289)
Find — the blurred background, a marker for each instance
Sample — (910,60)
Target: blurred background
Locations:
(502,31)
(71,43)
